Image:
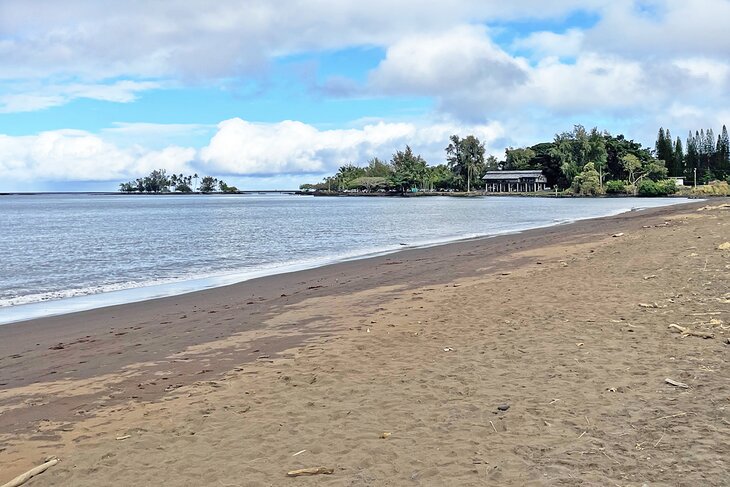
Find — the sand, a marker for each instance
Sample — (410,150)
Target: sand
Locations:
(532,359)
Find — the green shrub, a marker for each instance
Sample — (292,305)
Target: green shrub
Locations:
(647,187)
(667,187)
(615,187)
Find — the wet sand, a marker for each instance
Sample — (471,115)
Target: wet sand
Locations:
(568,326)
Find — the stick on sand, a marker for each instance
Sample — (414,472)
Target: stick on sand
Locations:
(23,478)
(311,471)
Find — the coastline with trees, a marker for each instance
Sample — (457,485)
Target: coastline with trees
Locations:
(580,162)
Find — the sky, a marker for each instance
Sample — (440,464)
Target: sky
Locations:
(270,95)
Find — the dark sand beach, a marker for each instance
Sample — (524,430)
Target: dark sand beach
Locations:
(538,358)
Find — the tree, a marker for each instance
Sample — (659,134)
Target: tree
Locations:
(408,169)
(127,187)
(208,184)
(691,162)
(347,173)
(157,182)
(573,150)
(677,159)
(723,153)
(378,169)
(519,159)
(492,164)
(637,170)
(183,187)
(465,157)
(664,149)
(587,182)
(632,165)
(224,188)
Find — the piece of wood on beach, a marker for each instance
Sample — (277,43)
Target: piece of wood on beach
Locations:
(23,478)
(310,471)
(686,332)
(676,383)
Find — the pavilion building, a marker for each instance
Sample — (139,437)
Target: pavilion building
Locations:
(514,181)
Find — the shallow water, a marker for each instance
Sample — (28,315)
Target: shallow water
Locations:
(69,252)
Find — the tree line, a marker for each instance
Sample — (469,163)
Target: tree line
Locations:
(593,162)
(158,181)
(706,157)
(464,167)
(580,161)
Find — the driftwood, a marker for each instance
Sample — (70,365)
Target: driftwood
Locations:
(23,478)
(686,332)
(311,471)
(676,383)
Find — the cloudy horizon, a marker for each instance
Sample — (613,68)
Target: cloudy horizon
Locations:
(272,96)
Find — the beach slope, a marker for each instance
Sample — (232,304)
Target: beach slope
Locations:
(594,353)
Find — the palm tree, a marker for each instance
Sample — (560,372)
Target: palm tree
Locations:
(195,176)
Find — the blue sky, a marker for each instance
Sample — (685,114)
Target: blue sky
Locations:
(273,95)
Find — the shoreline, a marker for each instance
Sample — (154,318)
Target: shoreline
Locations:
(139,293)
(71,383)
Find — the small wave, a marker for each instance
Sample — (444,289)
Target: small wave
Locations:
(83,291)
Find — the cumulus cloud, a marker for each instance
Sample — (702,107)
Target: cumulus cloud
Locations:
(463,58)
(199,39)
(238,148)
(471,78)
(245,148)
(75,155)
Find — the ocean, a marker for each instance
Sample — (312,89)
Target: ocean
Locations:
(63,253)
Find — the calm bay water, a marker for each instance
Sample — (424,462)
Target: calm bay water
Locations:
(61,253)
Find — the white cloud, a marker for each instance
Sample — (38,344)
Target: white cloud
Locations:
(74,155)
(197,39)
(473,79)
(463,58)
(280,152)
(244,148)
(28,99)
(662,29)
(551,44)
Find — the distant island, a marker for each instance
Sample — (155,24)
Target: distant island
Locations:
(158,181)
(580,162)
